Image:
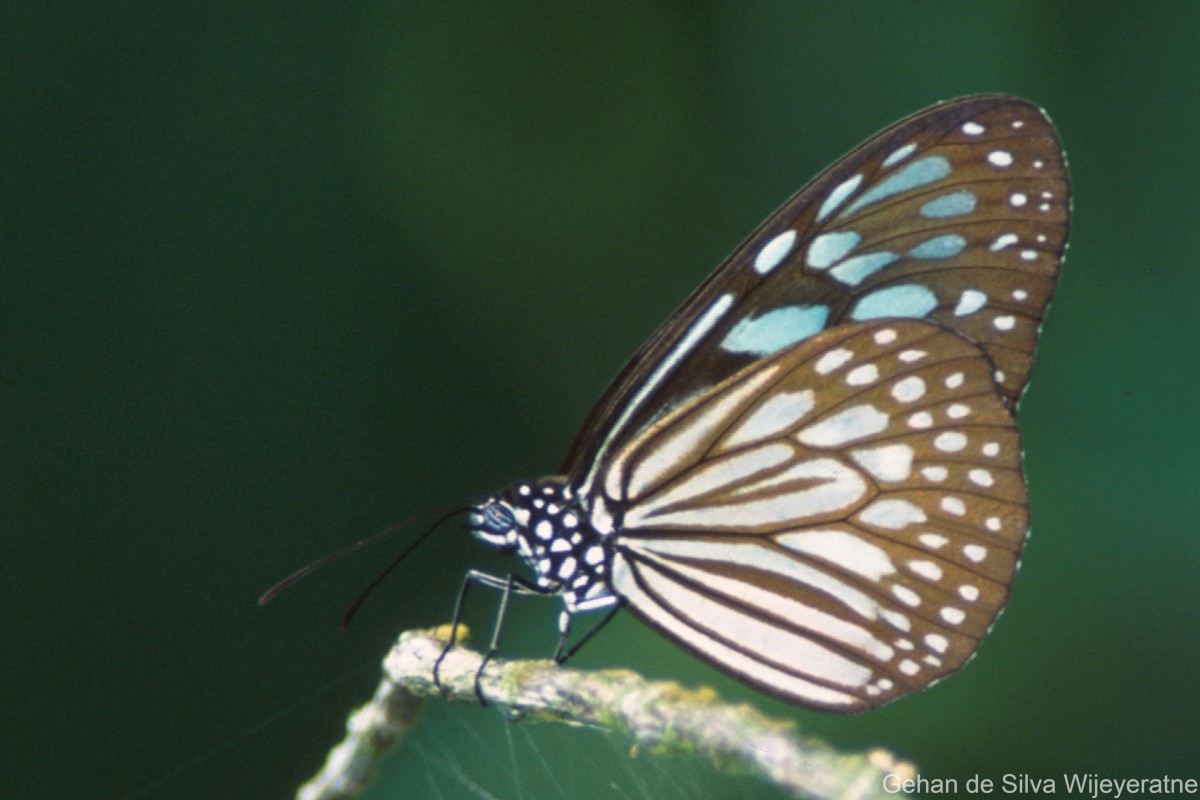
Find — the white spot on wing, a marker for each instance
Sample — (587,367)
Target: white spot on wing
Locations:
(954,505)
(892,514)
(774,252)
(981,477)
(888,463)
(936,474)
(899,154)
(969,302)
(953,615)
(950,442)
(775,416)
(908,390)
(842,549)
(832,359)
(672,448)
(920,420)
(838,196)
(1002,241)
(906,595)
(933,541)
(1000,158)
(847,425)
(862,375)
(926,569)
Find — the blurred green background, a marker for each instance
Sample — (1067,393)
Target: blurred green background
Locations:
(277,275)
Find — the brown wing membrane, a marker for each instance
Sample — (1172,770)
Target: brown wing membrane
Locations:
(957,214)
(837,525)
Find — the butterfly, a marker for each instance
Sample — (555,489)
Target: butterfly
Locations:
(810,475)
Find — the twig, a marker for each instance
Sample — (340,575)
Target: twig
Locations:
(658,714)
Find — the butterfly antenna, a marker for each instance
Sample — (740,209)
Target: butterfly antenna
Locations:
(304,572)
(362,597)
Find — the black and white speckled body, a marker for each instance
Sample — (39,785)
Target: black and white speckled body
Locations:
(545,524)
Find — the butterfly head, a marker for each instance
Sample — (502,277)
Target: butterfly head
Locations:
(495,522)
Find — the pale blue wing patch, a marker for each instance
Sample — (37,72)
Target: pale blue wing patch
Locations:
(775,330)
(945,246)
(954,204)
(829,248)
(919,173)
(854,271)
(910,300)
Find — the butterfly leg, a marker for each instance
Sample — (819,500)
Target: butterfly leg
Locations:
(508,585)
(561,657)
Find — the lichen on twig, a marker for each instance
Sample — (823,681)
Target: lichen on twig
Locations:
(654,714)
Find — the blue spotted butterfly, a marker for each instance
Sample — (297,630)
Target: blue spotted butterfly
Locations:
(810,475)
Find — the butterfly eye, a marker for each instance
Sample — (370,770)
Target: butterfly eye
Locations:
(494,523)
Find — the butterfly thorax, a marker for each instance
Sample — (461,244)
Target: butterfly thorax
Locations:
(545,524)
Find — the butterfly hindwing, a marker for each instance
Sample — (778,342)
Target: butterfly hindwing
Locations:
(837,524)
(957,214)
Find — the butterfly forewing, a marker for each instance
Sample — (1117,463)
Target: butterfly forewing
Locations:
(837,524)
(957,214)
